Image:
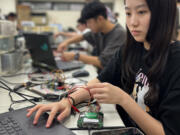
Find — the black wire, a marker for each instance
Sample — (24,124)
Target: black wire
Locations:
(8,81)
(10,108)
(26,98)
(6,86)
(26,95)
(19,101)
(11,90)
(15,75)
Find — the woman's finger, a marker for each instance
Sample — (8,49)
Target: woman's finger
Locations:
(96,85)
(63,114)
(51,117)
(97,91)
(99,96)
(31,110)
(38,114)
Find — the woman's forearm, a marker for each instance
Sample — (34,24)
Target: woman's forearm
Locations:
(146,122)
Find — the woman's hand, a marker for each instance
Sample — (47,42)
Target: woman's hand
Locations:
(63,107)
(107,93)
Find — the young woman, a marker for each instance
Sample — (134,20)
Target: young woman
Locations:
(143,78)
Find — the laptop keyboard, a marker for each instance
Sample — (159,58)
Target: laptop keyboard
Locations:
(68,65)
(9,126)
(16,123)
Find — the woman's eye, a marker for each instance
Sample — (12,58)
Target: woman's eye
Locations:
(128,14)
(142,12)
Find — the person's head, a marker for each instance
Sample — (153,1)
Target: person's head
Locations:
(116,15)
(12,17)
(150,18)
(138,17)
(81,26)
(94,13)
(150,21)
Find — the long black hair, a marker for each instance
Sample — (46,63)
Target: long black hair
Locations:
(160,33)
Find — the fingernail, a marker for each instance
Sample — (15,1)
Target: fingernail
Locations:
(47,125)
(34,122)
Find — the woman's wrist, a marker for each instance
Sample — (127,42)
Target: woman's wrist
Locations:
(69,103)
(72,99)
(125,98)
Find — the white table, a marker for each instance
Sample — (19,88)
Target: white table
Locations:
(111,117)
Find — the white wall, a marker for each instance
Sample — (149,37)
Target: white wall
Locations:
(69,18)
(7,6)
(65,18)
(119,7)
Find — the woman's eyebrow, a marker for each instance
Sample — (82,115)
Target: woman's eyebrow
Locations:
(138,6)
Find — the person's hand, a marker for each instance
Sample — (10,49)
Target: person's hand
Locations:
(107,93)
(56,35)
(67,56)
(56,53)
(63,107)
(62,46)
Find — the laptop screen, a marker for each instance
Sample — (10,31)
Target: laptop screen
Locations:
(39,48)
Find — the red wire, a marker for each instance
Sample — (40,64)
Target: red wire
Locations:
(73,106)
(73,89)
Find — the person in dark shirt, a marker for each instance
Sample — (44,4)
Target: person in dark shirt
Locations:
(105,37)
(143,78)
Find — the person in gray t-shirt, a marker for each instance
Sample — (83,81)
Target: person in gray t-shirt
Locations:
(105,36)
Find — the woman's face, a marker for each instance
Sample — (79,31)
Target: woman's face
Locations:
(138,18)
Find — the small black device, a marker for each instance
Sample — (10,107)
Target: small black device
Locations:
(16,123)
(80,73)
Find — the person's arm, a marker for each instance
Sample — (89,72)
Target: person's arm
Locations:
(146,122)
(75,39)
(94,60)
(66,34)
(110,94)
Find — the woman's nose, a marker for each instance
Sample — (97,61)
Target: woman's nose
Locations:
(134,20)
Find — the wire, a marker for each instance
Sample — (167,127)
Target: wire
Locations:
(14,75)
(4,88)
(90,108)
(7,87)
(10,91)
(8,81)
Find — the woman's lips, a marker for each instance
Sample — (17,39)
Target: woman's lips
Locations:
(135,32)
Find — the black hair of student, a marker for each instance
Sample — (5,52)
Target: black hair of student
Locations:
(160,33)
(11,14)
(81,20)
(93,10)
